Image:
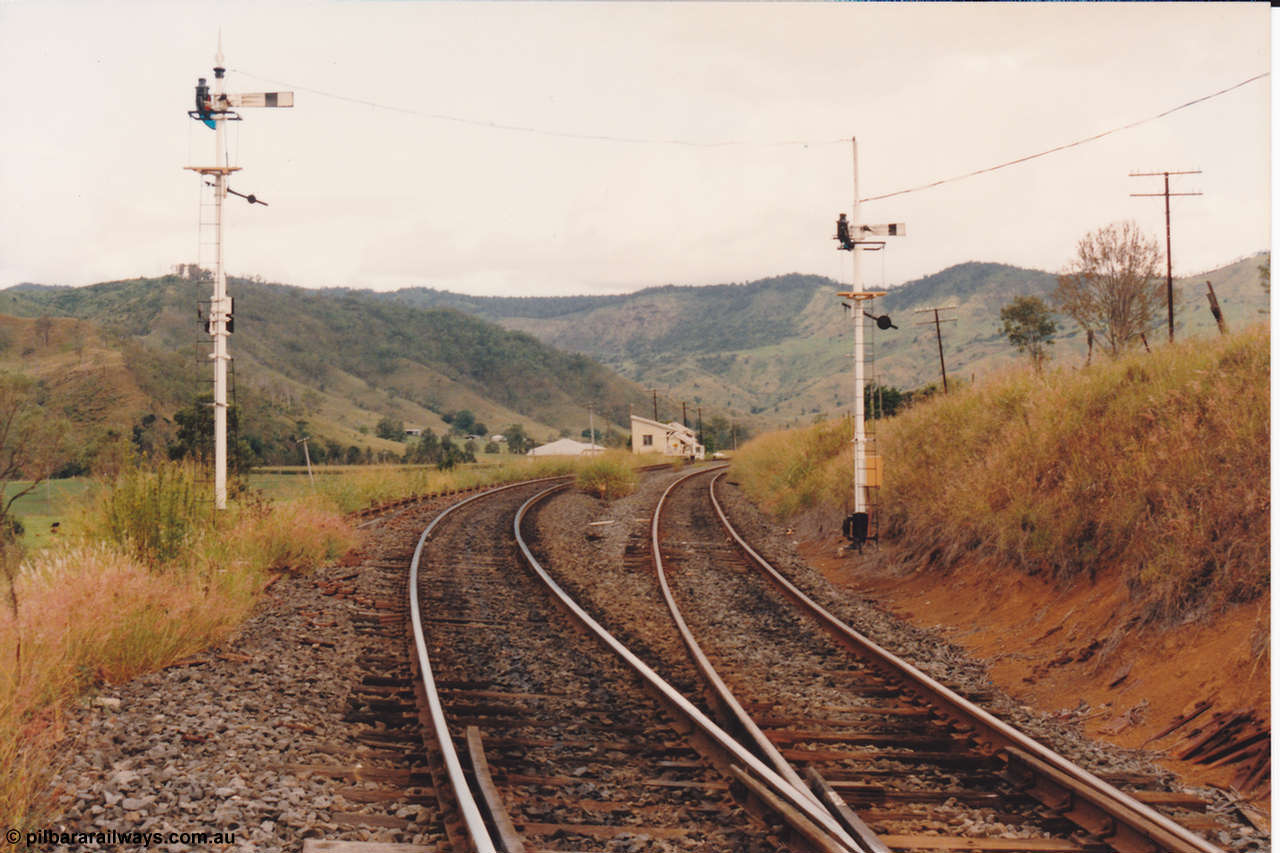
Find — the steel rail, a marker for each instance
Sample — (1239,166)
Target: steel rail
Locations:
(817,789)
(724,697)
(836,839)
(472,817)
(1155,829)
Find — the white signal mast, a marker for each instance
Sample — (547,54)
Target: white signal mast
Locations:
(854,237)
(215,109)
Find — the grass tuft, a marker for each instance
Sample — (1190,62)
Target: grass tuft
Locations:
(608,475)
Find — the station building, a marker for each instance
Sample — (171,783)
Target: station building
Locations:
(671,439)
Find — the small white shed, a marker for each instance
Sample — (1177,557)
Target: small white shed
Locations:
(566,447)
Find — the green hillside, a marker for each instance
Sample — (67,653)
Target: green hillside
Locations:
(778,351)
(339,361)
(334,363)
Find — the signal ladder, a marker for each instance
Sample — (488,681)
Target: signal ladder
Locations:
(206,254)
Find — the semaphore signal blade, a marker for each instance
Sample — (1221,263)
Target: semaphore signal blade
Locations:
(261,99)
(893,229)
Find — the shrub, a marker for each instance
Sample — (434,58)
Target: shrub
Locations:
(153,512)
(607,476)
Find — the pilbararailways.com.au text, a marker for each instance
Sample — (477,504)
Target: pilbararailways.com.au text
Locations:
(112,838)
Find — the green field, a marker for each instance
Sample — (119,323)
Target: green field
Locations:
(53,500)
(50,502)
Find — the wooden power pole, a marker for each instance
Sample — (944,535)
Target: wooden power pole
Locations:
(937,325)
(1215,309)
(1168,239)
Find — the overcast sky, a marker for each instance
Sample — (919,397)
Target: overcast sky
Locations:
(617,185)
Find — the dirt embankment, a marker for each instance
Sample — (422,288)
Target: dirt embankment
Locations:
(1083,653)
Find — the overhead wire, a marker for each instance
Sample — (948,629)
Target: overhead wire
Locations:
(1058,148)
(562,134)
(494,125)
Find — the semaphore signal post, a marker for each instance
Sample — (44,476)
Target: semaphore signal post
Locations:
(214,109)
(855,237)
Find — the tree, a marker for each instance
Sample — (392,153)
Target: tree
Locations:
(1113,286)
(451,454)
(462,421)
(425,451)
(517,440)
(1026,323)
(884,401)
(194,437)
(719,433)
(390,429)
(44,326)
(33,444)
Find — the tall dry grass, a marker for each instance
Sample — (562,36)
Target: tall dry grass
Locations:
(1155,464)
(793,472)
(360,488)
(117,601)
(608,475)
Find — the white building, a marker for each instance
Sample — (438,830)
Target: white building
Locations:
(566,447)
(673,439)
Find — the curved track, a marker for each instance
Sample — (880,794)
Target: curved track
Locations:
(925,768)
(543,731)
(561,743)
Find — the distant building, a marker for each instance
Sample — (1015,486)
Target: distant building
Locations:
(673,439)
(413,430)
(566,447)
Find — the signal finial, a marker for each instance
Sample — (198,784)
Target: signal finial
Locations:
(219,65)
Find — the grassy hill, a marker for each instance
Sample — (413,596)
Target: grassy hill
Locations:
(339,361)
(1153,465)
(769,353)
(777,350)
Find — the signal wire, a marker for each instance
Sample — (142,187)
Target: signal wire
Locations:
(562,134)
(742,143)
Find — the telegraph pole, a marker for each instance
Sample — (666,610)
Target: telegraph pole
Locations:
(937,324)
(1168,239)
(306,454)
(1215,309)
(854,237)
(655,403)
(214,110)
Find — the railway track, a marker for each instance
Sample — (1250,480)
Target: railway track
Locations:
(389,791)
(536,730)
(544,741)
(911,765)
